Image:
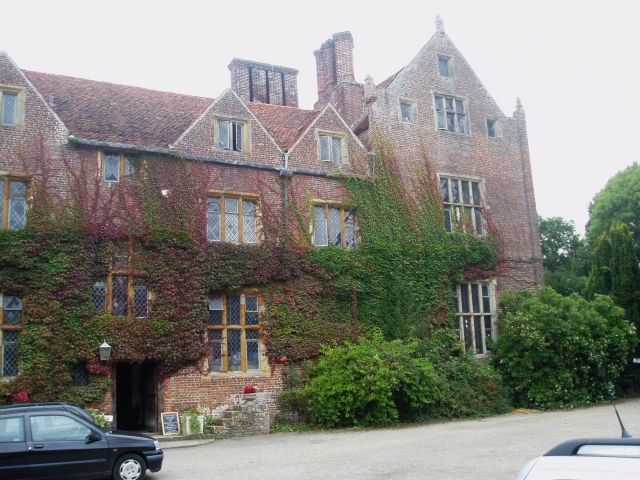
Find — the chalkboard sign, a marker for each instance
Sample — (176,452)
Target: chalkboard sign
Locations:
(170,423)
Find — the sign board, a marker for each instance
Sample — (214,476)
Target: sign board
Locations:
(170,423)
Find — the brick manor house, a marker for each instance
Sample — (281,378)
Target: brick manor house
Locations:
(255,130)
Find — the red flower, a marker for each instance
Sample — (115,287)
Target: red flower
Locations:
(282,360)
(249,389)
(20,397)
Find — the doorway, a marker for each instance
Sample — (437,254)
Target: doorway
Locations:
(136,397)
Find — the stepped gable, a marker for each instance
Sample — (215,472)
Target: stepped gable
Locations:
(284,124)
(119,114)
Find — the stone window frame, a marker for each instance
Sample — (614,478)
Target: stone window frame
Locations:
(413,105)
(242,197)
(472,206)
(343,209)
(8,328)
(102,287)
(243,328)
(129,166)
(344,148)
(450,67)
(19,115)
(497,132)
(5,198)
(246,134)
(468,318)
(465,112)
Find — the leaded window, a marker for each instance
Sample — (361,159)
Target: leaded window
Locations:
(451,114)
(9,108)
(232,219)
(233,332)
(13,203)
(10,324)
(462,205)
(118,167)
(330,148)
(334,225)
(408,112)
(123,292)
(474,304)
(80,374)
(231,135)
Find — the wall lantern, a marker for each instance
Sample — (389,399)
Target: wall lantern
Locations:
(105,352)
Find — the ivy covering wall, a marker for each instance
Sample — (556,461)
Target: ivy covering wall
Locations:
(398,279)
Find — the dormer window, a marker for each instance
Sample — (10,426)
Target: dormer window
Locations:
(445,66)
(231,135)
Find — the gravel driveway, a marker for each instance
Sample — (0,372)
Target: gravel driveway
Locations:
(492,448)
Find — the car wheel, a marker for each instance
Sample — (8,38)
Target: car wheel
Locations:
(129,467)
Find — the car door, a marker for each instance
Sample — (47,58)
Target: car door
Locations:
(61,444)
(14,462)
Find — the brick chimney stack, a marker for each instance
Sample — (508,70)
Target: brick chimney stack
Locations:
(265,83)
(334,64)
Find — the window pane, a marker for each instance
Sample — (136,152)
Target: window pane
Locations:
(119,296)
(319,227)
(475,188)
(234,351)
(447,219)
(325,148)
(459,106)
(237,136)
(468,334)
(336,147)
(9,354)
(111,167)
(479,222)
(17,205)
(466,194)
(9,101)
(475,298)
(464,298)
(99,295)
(253,350)
(451,122)
(223,134)
(350,228)
(462,123)
(52,428)
(11,430)
(233,310)
(140,297)
(439,103)
(250,225)
(216,307)
(251,310)
(335,228)
(477,330)
(444,188)
(443,66)
(455,191)
(213,219)
(232,227)
(449,103)
(130,167)
(488,330)
(215,350)
(491,128)
(80,374)
(405,112)
(442,120)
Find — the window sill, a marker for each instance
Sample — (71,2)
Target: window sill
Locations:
(235,374)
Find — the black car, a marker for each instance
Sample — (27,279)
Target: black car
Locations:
(57,441)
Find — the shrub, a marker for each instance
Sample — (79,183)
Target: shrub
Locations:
(371,383)
(557,351)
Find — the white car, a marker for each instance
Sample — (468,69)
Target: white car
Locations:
(587,459)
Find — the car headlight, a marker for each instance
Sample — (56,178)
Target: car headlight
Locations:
(156,444)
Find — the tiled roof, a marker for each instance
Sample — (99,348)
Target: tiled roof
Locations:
(118,113)
(385,83)
(284,124)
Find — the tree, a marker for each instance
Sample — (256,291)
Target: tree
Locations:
(618,202)
(615,270)
(565,256)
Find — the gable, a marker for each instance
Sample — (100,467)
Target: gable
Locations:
(201,138)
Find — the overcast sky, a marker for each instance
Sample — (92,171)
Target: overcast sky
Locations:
(574,64)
